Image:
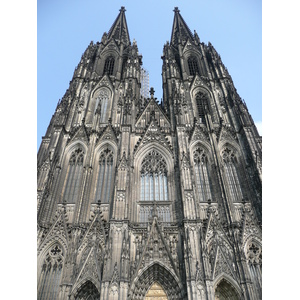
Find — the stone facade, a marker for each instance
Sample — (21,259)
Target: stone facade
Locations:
(139,199)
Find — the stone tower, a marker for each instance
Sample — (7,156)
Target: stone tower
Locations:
(145,200)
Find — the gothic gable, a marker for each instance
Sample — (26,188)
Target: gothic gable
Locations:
(108,134)
(199,82)
(80,133)
(58,231)
(156,249)
(199,133)
(90,271)
(227,134)
(103,82)
(155,110)
(153,134)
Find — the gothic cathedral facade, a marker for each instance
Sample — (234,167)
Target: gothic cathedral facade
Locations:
(145,200)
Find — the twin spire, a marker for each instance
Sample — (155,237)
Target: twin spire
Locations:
(119,30)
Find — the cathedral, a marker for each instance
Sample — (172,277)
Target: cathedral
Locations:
(142,199)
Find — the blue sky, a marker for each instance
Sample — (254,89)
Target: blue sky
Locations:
(65,28)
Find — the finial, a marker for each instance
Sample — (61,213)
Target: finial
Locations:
(152,92)
(123,9)
(176,10)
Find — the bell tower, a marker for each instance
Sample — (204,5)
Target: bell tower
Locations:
(138,199)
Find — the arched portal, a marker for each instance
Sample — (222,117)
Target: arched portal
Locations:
(225,290)
(160,276)
(88,291)
(156,292)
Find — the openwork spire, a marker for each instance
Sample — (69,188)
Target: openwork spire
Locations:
(180,30)
(119,30)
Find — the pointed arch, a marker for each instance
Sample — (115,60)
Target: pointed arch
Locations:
(154,183)
(193,65)
(74,166)
(161,274)
(200,160)
(226,287)
(86,289)
(104,172)
(50,272)
(230,164)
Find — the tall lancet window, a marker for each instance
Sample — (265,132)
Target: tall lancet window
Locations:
(230,163)
(193,65)
(153,185)
(73,177)
(201,101)
(105,176)
(102,103)
(109,65)
(201,175)
(49,279)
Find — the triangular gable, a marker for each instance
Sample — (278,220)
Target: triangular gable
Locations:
(153,134)
(157,108)
(123,164)
(213,225)
(80,134)
(57,230)
(227,134)
(250,228)
(189,46)
(104,81)
(108,134)
(155,248)
(96,227)
(199,82)
(221,265)
(90,269)
(199,134)
(111,45)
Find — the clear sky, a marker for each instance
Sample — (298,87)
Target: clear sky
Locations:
(65,29)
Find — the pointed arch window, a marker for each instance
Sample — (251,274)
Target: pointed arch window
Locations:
(105,176)
(193,65)
(109,65)
(201,175)
(153,184)
(102,104)
(230,168)
(201,101)
(74,174)
(49,279)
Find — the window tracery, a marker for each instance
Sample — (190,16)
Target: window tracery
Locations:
(154,187)
(109,65)
(201,100)
(254,259)
(74,173)
(48,285)
(201,174)
(193,65)
(102,104)
(230,164)
(153,182)
(104,181)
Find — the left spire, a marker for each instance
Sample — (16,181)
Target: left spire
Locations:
(119,30)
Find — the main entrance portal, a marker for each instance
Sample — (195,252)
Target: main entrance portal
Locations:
(156,292)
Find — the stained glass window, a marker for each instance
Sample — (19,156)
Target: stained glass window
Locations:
(105,176)
(153,182)
(74,173)
(201,175)
(49,280)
